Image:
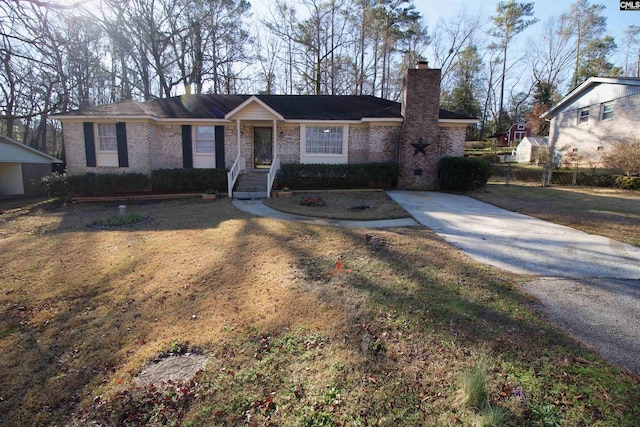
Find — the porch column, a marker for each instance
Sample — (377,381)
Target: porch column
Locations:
(275,138)
(238,133)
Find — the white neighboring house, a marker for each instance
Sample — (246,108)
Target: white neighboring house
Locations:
(21,168)
(592,117)
(532,150)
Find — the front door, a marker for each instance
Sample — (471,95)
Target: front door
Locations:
(262,147)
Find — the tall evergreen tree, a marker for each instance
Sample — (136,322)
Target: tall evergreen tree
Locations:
(509,21)
(585,24)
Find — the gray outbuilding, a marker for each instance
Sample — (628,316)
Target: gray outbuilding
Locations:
(22,167)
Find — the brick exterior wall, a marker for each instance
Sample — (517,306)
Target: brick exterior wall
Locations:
(289,144)
(138,147)
(420,109)
(166,143)
(565,133)
(73,138)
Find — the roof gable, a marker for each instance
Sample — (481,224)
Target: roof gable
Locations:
(253,109)
(595,90)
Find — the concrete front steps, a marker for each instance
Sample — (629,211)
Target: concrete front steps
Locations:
(251,185)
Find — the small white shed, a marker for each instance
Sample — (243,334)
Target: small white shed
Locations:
(21,168)
(532,150)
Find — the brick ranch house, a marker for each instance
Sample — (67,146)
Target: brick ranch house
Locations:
(248,133)
(593,117)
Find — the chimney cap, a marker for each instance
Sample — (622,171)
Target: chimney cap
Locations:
(422,65)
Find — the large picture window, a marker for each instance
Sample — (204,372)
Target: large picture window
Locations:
(324,140)
(205,137)
(107,137)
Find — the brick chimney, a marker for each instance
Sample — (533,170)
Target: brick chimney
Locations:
(419,152)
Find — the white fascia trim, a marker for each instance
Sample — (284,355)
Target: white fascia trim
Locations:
(323,122)
(249,101)
(148,118)
(383,119)
(465,122)
(188,120)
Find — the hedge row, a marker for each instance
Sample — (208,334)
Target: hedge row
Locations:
(160,181)
(188,180)
(323,177)
(565,177)
(463,173)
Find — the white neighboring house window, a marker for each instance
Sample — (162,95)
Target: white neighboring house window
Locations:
(204,147)
(583,116)
(324,144)
(107,153)
(607,111)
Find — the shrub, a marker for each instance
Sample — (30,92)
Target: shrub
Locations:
(322,176)
(188,180)
(107,184)
(463,173)
(55,185)
(627,182)
(624,156)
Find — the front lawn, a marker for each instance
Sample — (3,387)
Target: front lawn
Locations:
(608,212)
(292,340)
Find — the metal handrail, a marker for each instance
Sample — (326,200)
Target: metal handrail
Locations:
(238,166)
(273,170)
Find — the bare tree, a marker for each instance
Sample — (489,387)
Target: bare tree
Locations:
(632,51)
(449,39)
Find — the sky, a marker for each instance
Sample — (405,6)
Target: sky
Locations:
(433,10)
(617,20)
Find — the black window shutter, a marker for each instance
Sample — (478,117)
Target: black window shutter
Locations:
(187,147)
(89,144)
(121,136)
(220,147)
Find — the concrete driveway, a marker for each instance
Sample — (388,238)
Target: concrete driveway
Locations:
(589,284)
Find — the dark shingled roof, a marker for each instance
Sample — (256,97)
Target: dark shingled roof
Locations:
(291,107)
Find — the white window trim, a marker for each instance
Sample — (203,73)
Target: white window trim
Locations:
(580,111)
(105,158)
(203,160)
(115,136)
(602,107)
(324,157)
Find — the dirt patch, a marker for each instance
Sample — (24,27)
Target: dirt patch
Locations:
(365,205)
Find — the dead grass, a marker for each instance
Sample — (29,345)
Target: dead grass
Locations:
(607,212)
(291,340)
(348,205)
